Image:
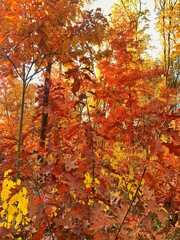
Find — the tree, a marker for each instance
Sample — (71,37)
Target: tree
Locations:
(168,16)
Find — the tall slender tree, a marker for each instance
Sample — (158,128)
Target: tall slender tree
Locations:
(168,17)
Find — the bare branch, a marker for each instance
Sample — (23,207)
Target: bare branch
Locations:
(14,65)
(20,42)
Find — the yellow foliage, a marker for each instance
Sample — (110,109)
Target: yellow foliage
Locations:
(129,185)
(14,208)
(10,236)
(7,172)
(19,218)
(106,207)
(89,180)
(118,154)
(131,173)
(127,182)
(9,218)
(97,181)
(91,104)
(130,196)
(142,182)
(91,202)
(103,171)
(6,188)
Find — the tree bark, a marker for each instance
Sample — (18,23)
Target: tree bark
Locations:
(44,122)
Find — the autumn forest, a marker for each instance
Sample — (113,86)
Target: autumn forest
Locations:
(89,121)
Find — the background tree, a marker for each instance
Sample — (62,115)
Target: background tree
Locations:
(168,17)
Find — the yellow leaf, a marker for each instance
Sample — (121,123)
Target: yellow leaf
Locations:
(9,218)
(90,202)
(24,190)
(14,199)
(103,171)
(129,186)
(27,220)
(18,182)
(97,181)
(19,218)
(7,172)
(131,173)
(130,196)
(10,236)
(3,213)
(23,206)
(88,180)
(142,182)
(12,209)
(7,224)
(5,205)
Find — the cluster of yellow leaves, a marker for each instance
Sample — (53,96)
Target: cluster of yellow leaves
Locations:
(14,208)
(118,155)
(89,180)
(127,182)
(88,183)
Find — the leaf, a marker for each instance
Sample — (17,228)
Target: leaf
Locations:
(173,148)
(7,172)
(82,96)
(130,196)
(76,85)
(155,147)
(101,234)
(5,231)
(39,234)
(173,133)
(78,210)
(101,222)
(19,218)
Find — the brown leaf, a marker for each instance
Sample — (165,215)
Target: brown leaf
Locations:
(76,85)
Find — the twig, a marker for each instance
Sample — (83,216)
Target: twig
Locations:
(130,206)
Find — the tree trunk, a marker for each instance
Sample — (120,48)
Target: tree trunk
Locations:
(45,103)
(20,140)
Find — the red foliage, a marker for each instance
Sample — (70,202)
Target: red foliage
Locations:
(109,165)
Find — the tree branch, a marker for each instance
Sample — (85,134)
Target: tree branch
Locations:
(131,204)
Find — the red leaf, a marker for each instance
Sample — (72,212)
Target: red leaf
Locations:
(39,235)
(173,133)
(155,147)
(173,148)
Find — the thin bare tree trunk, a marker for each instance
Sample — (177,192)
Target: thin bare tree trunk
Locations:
(44,122)
(20,133)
